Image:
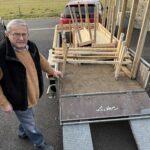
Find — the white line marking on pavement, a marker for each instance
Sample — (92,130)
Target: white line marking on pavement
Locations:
(38,29)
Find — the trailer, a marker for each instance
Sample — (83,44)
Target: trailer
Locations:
(104,79)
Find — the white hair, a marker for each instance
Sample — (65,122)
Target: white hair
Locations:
(16,22)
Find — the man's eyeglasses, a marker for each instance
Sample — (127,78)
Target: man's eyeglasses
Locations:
(18,35)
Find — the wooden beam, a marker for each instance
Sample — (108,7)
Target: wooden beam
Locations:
(88,20)
(131,22)
(95,23)
(104,13)
(120,60)
(80,14)
(65,52)
(55,38)
(85,43)
(86,52)
(122,18)
(126,71)
(92,61)
(77,27)
(109,16)
(119,45)
(88,49)
(113,24)
(86,56)
(71,15)
(141,40)
(120,42)
(112,45)
(104,30)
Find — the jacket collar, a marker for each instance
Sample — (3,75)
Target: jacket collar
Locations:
(10,52)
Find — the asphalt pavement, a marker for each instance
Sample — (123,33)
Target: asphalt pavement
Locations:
(106,136)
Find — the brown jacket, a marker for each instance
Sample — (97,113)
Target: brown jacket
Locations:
(32,79)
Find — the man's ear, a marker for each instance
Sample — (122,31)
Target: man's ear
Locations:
(6,33)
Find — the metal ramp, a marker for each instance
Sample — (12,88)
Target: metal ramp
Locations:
(104,107)
(75,135)
(141,132)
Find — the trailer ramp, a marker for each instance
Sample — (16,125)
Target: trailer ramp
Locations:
(141,132)
(104,107)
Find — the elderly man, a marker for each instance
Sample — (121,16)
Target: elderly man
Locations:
(21,82)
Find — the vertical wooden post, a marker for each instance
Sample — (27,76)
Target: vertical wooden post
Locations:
(123,11)
(88,20)
(77,27)
(117,4)
(120,60)
(95,22)
(71,15)
(113,24)
(65,52)
(119,46)
(131,22)
(104,13)
(141,41)
(70,32)
(80,14)
(109,16)
(120,41)
(55,37)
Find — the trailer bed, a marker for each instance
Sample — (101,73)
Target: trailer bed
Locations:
(88,78)
(90,93)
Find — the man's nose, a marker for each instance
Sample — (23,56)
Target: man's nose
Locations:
(21,37)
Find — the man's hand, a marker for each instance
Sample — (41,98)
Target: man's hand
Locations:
(56,74)
(8,108)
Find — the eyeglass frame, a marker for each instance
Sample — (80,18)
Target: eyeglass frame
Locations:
(18,35)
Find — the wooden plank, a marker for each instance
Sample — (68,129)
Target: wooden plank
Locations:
(87,49)
(119,44)
(50,58)
(95,23)
(55,37)
(108,16)
(104,13)
(86,52)
(80,14)
(77,27)
(88,20)
(84,43)
(120,59)
(126,71)
(131,22)
(107,33)
(92,61)
(122,18)
(71,15)
(112,45)
(113,24)
(99,57)
(65,52)
(85,36)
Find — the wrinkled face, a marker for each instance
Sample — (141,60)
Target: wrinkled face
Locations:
(18,36)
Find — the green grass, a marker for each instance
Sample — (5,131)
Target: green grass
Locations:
(31,8)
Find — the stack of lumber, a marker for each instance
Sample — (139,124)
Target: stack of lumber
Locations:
(99,52)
